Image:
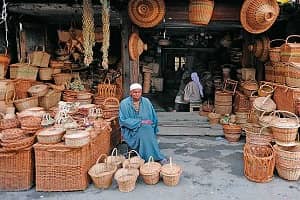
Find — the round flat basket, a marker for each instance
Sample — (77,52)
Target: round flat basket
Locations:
(146,13)
(257,16)
(102,173)
(150,171)
(136,46)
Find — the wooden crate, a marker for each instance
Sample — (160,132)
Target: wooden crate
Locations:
(16,170)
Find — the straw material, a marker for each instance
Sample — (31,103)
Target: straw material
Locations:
(50,100)
(259,162)
(293,75)
(290,50)
(50,135)
(106,89)
(146,13)
(287,156)
(214,118)
(232,132)
(200,11)
(16,170)
(269,72)
(223,102)
(171,173)
(61,168)
(150,171)
(274,51)
(115,158)
(257,16)
(265,90)
(136,46)
(133,162)
(257,135)
(29,102)
(126,179)
(102,173)
(280,72)
(291,174)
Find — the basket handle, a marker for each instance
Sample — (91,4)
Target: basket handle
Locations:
(5,52)
(114,152)
(282,40)
(262,128)
(150,160)
(291,36)
(267,85)
(100,157)
(266,98)
(289,113)
(111,99)
(106,81)
(131,151)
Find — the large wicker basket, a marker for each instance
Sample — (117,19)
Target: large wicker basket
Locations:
(22,104)
(146,13)
(106,89)
(16,170)
(290,50)
(259,162)
(102,173)
(257,16)
(200,11)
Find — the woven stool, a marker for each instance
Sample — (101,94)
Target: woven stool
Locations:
(195,105)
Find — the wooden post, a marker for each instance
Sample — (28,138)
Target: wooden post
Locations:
(124,51)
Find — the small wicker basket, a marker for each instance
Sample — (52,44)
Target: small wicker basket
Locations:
(115,159)
(126,179)
(133,162)
(102,173)
(171,173)
(150,171)
(50,135)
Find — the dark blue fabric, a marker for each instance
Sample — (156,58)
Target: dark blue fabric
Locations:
(138,136)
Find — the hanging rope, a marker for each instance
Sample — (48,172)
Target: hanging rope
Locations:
(4,20)
(88,31)
(106,32)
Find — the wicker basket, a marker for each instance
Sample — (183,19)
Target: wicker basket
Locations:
(265,90)
(45,74)
(102,173)
(61,168)
(27,72)
(288,156)
(150,171)
(290,51)
(214,118)
(133,162)
(115,158)
(285,129)
(62,78)
(146,13)
(29,102)
(249,87)
(280,72)
(258,135)
(110,107)
(77,139)
(21,87)
(288,173)
(38,90)
(241,102)
(126,179)
(4,62)
(50,100)
(106,89)
(274,51)
(232,132)
(171,173)
(136,46)
(269,72)
(16,170)
(9,123)
(257,16)
(293,75)
(50,135)
(223,102)
(259,162)
(200,12)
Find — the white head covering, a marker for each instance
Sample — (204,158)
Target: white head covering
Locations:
(195,78)
(135,86)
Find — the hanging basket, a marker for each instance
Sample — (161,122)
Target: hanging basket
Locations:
(200,11)
(259,162)
(146,13)
(102,173)
(136,46)
(257,16)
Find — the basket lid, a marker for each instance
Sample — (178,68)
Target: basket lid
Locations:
(264,104)
(136,46)
(257,16)
(287,144)
(37,88)
(146,13)
(51,131)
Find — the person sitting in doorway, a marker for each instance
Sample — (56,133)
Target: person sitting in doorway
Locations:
(180,104)
(193,91)
(138,122)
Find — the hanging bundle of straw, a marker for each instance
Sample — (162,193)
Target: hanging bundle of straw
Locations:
(106,32)
(88,31)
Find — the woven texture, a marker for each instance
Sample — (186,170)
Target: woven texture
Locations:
(200,11)
(146,13)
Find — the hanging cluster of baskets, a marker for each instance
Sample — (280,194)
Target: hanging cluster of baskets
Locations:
(126,171)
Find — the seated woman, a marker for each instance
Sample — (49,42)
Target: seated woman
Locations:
(193,91)
(138,122)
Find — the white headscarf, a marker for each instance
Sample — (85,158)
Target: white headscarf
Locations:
(135,86)
(195,78)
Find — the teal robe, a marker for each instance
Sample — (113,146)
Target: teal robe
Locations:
(138,136)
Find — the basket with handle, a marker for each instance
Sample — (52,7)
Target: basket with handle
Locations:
(126,179)
(290,51)
(214,118)
(288,156)
(285,129)
(259,162)
(62,78)
(171,173)
(133,162)
(115,159)
(110,107)
(274,51)
(150,171)
(106,89)
(293,75)
(102,173)
(262,136)
(265,90)
(27,72)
